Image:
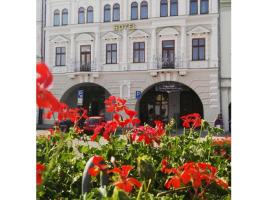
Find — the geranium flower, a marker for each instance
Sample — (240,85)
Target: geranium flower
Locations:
(114,104)
(39,168)
(98,166)
(125,183)
(106,129)
(191,120)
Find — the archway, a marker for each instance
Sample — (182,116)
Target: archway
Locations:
(90,96)
(166,100)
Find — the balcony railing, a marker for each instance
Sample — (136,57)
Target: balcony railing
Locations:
(165,63)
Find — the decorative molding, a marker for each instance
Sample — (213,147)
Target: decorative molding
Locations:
(59,39)
(111,36)
(84,37)
(168,31)
(138,34)
(125,89)
(198,30)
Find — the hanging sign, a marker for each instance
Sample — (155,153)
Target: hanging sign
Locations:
(80,98)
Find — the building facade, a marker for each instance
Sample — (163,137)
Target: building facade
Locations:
(160,55)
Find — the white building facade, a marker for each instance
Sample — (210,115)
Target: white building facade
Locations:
(162,56)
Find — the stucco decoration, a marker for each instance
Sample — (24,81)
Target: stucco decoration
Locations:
(59,39)
(84,37)
(198,30)
(111,36)
(168,31)
(138,34)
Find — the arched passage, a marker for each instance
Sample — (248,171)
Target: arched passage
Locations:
(90,96)
(166,100)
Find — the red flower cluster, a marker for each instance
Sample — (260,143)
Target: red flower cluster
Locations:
(192,120)
(148,134)
(45,99)
(106,129)
(194,173)
(221,141)
(39,169)
(98,166)
(125,183)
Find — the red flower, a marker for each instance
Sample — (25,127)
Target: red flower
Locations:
(98,166)
(125,183)
(39,169)
(114,104)
(191,120)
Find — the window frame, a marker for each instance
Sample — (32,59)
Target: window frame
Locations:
(85,53)
(64,12)
(81,11)
(116,9)
(111,52)
(90,11)
(201,3)
(140,60)
(107,9)
(174,3)
(144,5)
(134,5)
(56,13)
(60,54)
(198,47)
(164,3)
(191,2)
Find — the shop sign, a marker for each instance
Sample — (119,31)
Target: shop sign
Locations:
(80,98)
(168,87)
(121,27)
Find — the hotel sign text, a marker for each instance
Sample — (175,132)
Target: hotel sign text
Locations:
(121,27)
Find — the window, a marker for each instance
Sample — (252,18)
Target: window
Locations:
(144,10)
(174,8)
(90,14)
(193,7)
(85,57)
(198,49)
(138,52)
(107,13)
(81,18)
(60,56)
(111,53)
(56,18)
(116,12)
(168,53)
(163,8)
(64,17)
(134,11)
(204,7)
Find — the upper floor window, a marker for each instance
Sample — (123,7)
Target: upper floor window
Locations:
(60,56)
(111,53)
(163,8)
(134,11)
(204,7)
(198,49)
(85,57)
(107,13)
(64,16)
(81,18)
(174,8)
(138,52)
(90,14)
(116,12)
(144,10)
(56,18)
(193,7)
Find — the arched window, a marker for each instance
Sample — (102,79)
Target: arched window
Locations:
(144,10)
(163,8)
(116,12)
(193,7)
(204,7)
(134,11)
(90,14)
(81,17)
(107,13)
(174,8)
(56,18)
(64,16)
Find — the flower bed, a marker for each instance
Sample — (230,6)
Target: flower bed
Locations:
(145,162)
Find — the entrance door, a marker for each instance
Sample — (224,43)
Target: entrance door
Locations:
(168,54)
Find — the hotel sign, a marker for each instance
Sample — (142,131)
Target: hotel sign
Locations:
(121,27)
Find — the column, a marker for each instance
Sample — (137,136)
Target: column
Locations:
(183,55)
(72,13)
(124,50)
(154,8)
(182,7)
(97,12)
(97,51)
(124,10)
(72,63)
(153,60)
(214,45)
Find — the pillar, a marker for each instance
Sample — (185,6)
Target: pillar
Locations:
(153,60)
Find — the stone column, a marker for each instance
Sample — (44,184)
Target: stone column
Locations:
(73,13)
(124,50)
(124,10)
(154,8)
(153,64)
(97,12)
(97,51)
(183,55)
(72,63)
(214,45)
